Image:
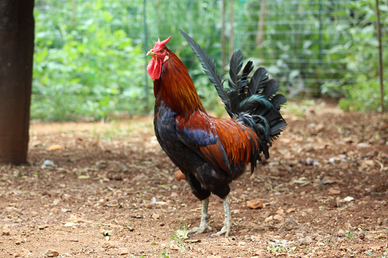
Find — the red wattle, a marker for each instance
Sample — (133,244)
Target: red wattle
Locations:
(154,68)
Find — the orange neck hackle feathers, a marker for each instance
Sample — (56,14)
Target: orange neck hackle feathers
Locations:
(177,88)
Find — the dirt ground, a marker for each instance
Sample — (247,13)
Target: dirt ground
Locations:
(108,190)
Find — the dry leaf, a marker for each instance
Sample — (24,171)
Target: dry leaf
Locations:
(54,147)
(255,204)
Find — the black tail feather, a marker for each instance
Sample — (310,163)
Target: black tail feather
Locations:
(253,101)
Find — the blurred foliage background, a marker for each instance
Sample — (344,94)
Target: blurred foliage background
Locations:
(90,61)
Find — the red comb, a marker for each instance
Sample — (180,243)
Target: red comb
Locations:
(160,44)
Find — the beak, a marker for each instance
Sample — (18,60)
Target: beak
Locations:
(150,53)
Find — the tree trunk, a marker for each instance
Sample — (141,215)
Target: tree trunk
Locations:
(16,53)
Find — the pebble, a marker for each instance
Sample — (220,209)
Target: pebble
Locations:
(123,251)
(48,162)
(268,219)
(289,224)
(334,191)
(290,210)
(305,240)
(348,199)
(363,145)
(341,232)
(174,247)
(52,253)
(278,217)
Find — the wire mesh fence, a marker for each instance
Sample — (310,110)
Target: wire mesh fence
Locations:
(302,43)
(310,46)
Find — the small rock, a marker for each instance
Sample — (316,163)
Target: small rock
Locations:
(108,245)
(278,217)
(290,210)
(305,240)
(341,232)
(70,224)
(24,252)
(289,224)
(319,127)
(52,253)
(174,247)
(155,216)
(48,163)
(347,140)
(41,227)
(363,145)
(255,204)
(101,164)
(123,251)
(334,191)
(348,199)
(114,177)
(309,161)
(268,219)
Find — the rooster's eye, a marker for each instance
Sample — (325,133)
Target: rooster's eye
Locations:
(162,51)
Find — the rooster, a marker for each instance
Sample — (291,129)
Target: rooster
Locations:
(211,152)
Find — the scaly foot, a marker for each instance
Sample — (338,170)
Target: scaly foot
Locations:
(226,228)
(203,226)
(201,229)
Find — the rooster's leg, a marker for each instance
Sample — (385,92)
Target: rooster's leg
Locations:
(203,226)
(226,228)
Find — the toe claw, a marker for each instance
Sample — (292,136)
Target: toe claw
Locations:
(200,229)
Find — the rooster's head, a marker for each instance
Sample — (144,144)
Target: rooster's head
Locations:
(159,54)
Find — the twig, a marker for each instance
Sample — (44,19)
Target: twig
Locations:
(381,165)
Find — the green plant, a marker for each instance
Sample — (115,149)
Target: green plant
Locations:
(350,235)
(279,247)
(85,65)
(164,254)
(180,235)
(359,85)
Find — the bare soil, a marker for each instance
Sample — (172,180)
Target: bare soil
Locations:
(111,192)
